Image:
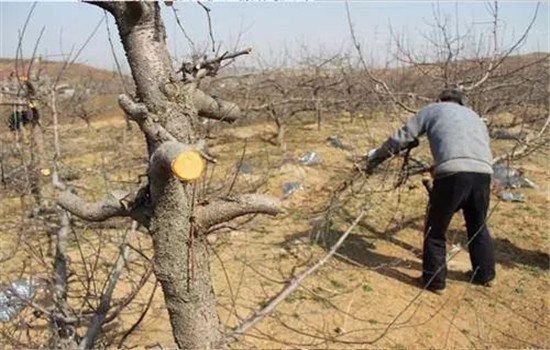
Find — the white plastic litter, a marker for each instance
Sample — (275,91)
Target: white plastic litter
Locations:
(310,158)
(512,197)
(510,178)
(13,298)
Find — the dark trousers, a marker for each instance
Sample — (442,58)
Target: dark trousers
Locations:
(469,192)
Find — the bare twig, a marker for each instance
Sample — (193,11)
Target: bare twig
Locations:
(210,33)
(366,68)
(180,25)
(19,50)
(105,301)
(495,64)
(293,284)
(141,317)
(119,70)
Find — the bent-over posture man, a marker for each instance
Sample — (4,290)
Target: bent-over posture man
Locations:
(459,143)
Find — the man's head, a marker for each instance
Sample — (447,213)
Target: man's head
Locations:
(451,95)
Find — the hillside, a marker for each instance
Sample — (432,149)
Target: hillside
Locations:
(74,72)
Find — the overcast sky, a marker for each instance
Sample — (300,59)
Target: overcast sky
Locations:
(273,29)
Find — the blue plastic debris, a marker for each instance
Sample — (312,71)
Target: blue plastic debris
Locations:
(334,141)
(512,197)
(510,178)
(290,187)
(245,168)
(14,297)
(310,158)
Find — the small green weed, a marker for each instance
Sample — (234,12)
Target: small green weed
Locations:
(337,284)
(291,298)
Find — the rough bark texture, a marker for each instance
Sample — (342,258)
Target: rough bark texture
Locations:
(226,209)
(185,280)
(215,108)
(181,261)
(164,108)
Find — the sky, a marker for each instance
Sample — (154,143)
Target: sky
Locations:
(280,33)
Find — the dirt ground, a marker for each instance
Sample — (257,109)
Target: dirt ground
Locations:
(364,297)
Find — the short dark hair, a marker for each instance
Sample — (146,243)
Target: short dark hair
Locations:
(452,95)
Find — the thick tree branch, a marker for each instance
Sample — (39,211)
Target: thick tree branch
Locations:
(161,161)
(227,209)
(138,112)
(117,203)
(135,111)
(110,6)
(93,211)
(215,108)
(60,262)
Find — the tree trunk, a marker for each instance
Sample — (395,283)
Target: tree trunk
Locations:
(181,264)
(181,260)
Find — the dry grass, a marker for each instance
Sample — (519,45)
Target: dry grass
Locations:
(353,298)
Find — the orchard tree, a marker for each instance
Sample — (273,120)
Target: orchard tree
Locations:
(166,108)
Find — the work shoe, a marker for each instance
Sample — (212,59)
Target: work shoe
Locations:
(490,283)
(421,284)
(438,291)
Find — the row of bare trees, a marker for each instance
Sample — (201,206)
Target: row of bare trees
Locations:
(168,105)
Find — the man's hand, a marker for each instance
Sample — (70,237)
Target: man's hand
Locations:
(366,163)
(371,153)
(370,162)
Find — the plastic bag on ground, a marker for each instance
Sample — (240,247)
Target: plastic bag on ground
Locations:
(310,158)
(334,141)
(13,298)
(245,168)
(506,135)
(290,187)
(510,178)
(512,197)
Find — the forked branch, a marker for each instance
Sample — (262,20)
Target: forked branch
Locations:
(203,67)
(138,112)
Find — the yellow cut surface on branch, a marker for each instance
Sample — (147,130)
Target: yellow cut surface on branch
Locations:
(188,166)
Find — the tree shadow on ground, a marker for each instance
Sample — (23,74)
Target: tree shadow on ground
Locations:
(506,253)
(360,249)
(510,255)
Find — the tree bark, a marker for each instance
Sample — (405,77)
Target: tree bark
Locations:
(182,269)
(164,108)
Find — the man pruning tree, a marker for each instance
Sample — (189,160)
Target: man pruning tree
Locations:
(459,143)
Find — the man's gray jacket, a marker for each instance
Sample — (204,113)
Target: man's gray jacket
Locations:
(458,138)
